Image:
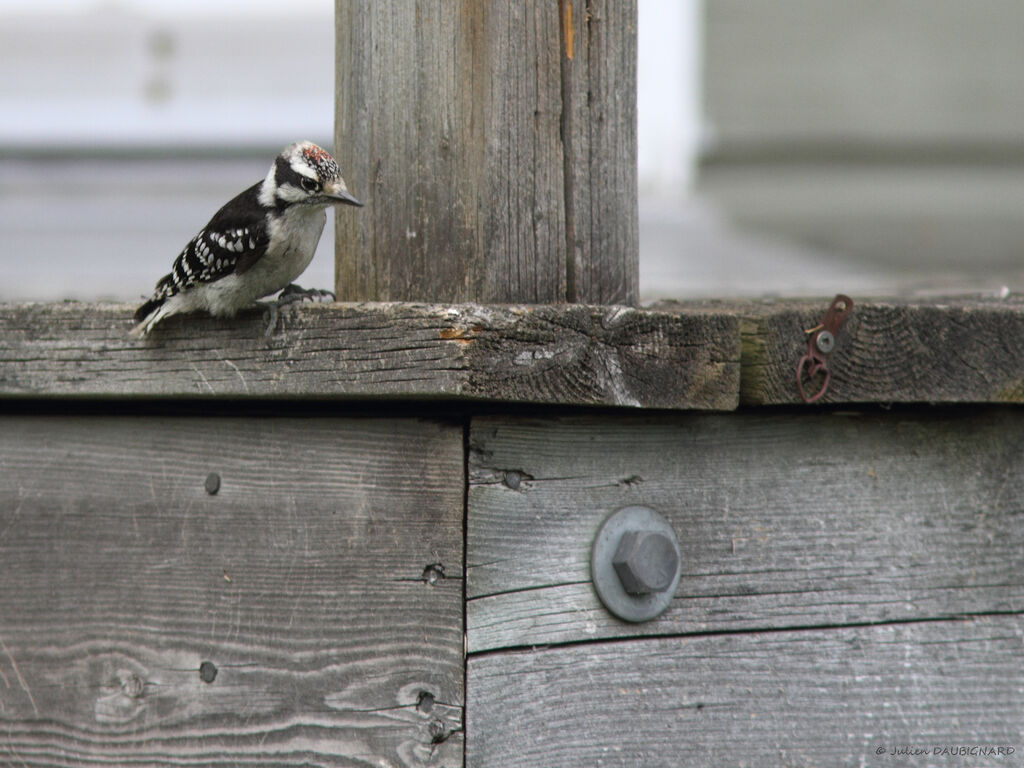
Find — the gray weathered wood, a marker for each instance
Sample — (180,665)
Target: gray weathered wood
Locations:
(450,126)
(599,121)
(846,696)
(563,354)
(669,356)
(784,520)
(890,351)
(301,581)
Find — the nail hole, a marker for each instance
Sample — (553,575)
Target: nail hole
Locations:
(433,573)
(212,483)
(513,478)
(207,671)
(425,702)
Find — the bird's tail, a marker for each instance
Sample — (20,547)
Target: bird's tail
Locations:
(148,315)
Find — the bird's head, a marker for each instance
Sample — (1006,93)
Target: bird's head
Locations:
(305,174)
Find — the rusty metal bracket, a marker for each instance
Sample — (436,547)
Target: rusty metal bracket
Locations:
(820,344)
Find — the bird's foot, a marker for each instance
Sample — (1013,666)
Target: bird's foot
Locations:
(292,294)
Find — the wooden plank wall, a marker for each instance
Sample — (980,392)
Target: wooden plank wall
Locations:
(850,581)
(308,613)
(852,574)
(846,697)
(890,131)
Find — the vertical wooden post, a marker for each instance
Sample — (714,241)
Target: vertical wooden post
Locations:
(494,143)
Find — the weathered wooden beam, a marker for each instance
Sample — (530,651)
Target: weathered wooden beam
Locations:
(945,350)
(849,696)
(891,351)
(598,139)
(784,519)
(564,354)
(682,356)
(294,609)
(494,145)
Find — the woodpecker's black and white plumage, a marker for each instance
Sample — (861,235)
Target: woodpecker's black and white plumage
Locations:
(255,245)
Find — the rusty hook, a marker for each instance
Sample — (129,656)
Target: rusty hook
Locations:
(820,345)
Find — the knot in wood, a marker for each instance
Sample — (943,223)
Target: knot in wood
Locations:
(132,685)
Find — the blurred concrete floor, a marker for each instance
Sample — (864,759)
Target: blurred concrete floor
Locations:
(689,250)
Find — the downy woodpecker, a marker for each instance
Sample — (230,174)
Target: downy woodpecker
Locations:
(255,245)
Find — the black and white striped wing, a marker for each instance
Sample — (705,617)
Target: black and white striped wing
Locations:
(209,256)
(234,240)
(213,254)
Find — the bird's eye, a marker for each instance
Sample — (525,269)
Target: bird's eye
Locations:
(308,184)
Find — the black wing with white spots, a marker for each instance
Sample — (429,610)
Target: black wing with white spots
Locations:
(234,240)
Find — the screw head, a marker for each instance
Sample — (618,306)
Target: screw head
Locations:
(825,342)
(646,562)
(212,484)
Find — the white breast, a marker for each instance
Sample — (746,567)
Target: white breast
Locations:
(293,241)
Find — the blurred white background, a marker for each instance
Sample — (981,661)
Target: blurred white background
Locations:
(124,124)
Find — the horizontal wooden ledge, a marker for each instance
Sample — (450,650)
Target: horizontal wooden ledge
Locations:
(942,350)
(710,355)
(553,354)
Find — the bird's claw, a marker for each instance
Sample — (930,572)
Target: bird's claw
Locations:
(292,294)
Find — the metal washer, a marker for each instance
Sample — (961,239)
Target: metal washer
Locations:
(634,608)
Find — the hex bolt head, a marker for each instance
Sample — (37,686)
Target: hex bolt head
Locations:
(635,563)
(645,562)
(825,342)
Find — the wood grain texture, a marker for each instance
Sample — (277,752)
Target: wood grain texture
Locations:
(599,141)
(449,125)
(941,351)
(300,582)
(821,698)
(566,354)
(784,520)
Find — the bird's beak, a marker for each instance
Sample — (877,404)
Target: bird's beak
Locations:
(336,191)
